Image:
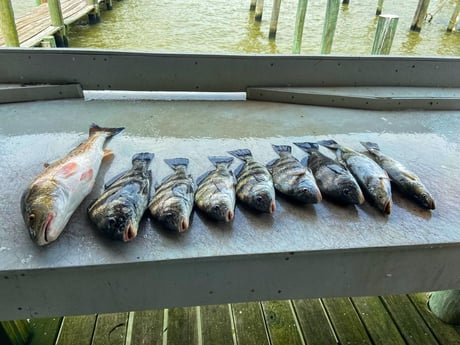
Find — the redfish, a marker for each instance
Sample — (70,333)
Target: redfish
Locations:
(53,196)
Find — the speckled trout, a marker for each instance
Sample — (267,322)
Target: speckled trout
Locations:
(50,200)
(373,180)
(408,182)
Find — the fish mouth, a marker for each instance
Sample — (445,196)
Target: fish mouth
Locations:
(229,216)
(47,229)
(387,207)
(183,225)
(129,233)
(272,208)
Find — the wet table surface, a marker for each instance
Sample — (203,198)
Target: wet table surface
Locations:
(34,133)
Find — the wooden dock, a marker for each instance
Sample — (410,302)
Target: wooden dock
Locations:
(35,26)
(397,319)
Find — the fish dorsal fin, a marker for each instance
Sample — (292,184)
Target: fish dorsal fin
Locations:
(200,178)
(239,169)
(115,179)
(270,164)
(243,154)
(174,163)
(304,161)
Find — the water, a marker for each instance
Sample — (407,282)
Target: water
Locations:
(223,26)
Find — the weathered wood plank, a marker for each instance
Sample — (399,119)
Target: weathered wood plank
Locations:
(77,330)
(182,326)
(45,330)
(346,322)
(147,328)
(249,323)
(444,333)
(314,323)
(281,323)
(377,321)
(216,325)
(409,322)
(110,329)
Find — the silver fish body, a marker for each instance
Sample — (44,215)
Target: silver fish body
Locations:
(118,211)
(254,183)
(216,194)
(50,200)
(333,178)
(407,181)
(172,204)
(291,178)
(370,176)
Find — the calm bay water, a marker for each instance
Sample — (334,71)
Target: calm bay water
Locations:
(223,26)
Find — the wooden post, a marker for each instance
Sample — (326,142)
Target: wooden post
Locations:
(259,10)
(274,20)
(39,2)
(384,34)
(7,24)
(109,4)
(252,6)
(330,23)
(94,16)
(379,9)
(15,332)
(299,23)
(419,15)
(345,2)
(446,305)
(454,19)
(55,11)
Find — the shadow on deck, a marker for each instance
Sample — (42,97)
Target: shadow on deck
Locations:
(397,319)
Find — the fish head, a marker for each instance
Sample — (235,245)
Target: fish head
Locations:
(424,198)
(174,220)
(220,207)
(43,211)
(116,220)
(263,199)
(306,191)
(350,193)
(383,195)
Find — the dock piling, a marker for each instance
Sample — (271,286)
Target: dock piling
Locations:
(379,9)
(94,16)
(446,305)
(454,19)
(330,23)
(55,11)
(419,16)
(299,23)
(252,5)
(259,10)
(274,19)
(384,34)
(7,24)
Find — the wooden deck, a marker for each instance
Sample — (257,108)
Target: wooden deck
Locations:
(397,319)
(35,26)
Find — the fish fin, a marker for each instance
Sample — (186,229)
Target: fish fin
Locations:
(174,163)
(203,176)
(239,169)
(370,146)
(216,160)
(93,129)
(143,156)
(304,161)
(307,146)
(331,144)
(87,175)
(114,179)
(68,169)
(242,154)
(335,169)
(108,154)
(282,148)
(270,164)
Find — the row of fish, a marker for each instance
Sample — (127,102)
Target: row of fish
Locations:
(50,200)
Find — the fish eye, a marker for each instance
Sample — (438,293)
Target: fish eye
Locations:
(346,191)
(216,208)
(31,218)
(112,222)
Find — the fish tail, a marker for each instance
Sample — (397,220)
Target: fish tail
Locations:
(282,148)
(331,144)
(174,163)
(370,146)
(110,131)
(216,160)
(308,147)
(143,156)
(242,154)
